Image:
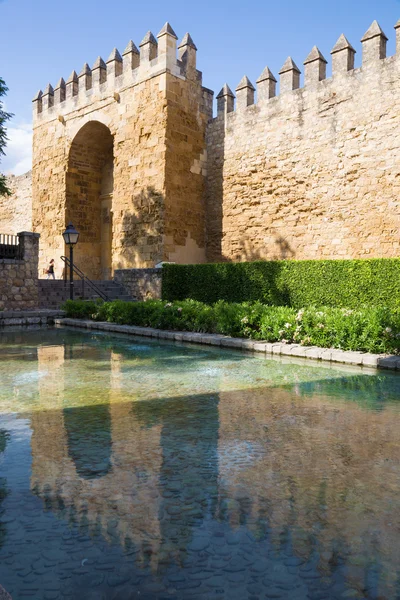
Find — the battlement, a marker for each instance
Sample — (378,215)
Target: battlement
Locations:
(119,72)
(373,56)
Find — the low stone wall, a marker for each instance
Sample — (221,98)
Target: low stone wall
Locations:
(29,317)
(19,278)
(141,284)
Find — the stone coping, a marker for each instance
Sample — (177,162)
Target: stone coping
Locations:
(29,317)
(365,359)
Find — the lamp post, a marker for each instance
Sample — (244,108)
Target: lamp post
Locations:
(71,236)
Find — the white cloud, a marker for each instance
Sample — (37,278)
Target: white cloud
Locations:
(18,158)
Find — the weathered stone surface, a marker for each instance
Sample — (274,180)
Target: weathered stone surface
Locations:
(18,278)
(16,210)
(124,160)
(141,284)
(312,173)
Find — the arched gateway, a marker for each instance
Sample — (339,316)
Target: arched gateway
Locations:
(89,193)
(119,150)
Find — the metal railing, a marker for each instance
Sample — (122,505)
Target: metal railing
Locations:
(84,279)
(10,247)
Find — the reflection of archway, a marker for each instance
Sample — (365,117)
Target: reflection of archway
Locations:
(89,189)
(89,439)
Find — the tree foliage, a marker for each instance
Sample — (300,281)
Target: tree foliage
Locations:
(4,116)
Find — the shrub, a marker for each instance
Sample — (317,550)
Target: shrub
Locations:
(340,283)
(370,329)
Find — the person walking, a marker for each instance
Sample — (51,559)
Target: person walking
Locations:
(50,270)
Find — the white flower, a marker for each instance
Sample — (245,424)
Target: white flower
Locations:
(288,325)
(321,326)
(319,314)
(244,320)
(388,330)
(281,332)
(168,305)
(179,309)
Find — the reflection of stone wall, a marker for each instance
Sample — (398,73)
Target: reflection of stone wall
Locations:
(16,210)
(314,466)
(124,503)
(141,284)
(19,278)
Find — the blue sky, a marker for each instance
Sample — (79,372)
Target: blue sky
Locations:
(43,40)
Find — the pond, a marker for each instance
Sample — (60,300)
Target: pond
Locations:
(142,469)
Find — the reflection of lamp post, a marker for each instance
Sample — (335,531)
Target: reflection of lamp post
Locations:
(71,236)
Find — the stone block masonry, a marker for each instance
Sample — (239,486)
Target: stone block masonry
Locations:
(16,210)
(19,278)
(141,284)
(315,171)
(119,150)
(129,151)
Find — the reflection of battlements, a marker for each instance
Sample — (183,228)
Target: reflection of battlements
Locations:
(107,79)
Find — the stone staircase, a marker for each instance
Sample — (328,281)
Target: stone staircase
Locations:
(53,293)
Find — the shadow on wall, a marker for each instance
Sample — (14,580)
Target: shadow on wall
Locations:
(139,232)
(283,251)
(214,216)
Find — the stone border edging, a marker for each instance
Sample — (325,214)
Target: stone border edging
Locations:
(29,317)
(365,359)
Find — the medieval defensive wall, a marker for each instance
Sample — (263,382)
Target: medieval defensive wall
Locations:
(130,152)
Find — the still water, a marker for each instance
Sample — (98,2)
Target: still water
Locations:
(148,470)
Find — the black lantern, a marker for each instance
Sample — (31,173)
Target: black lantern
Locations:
(71,236)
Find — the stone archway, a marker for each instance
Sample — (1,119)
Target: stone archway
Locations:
(89,191)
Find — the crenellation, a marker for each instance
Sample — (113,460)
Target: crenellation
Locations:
(373,45)
(289,76)
(99,72)
(166,50)
(130,57)
(397,30)
(294,175)
(315,67)
(72,86)
(85,78)
(59,91)
(225,101)
(187,52)
(343,55)
(244,93)
(114,64)
(266,85)
(313,173)
(148,48)
(37,103)
(48,97)
(206,106)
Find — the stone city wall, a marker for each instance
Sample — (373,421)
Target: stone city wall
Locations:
(314,172)
(151,104)
(19,278)
(16,210)
(141,284)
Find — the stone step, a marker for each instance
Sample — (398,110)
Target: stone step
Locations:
(54,292)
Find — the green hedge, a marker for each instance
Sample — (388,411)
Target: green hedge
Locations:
(369,329)
(341,283)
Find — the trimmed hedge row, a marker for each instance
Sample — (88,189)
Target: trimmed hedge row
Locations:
(340,283)
(369,329)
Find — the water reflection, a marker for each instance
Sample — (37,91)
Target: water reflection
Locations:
(274,491)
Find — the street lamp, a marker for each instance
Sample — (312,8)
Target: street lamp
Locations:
(71,236)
